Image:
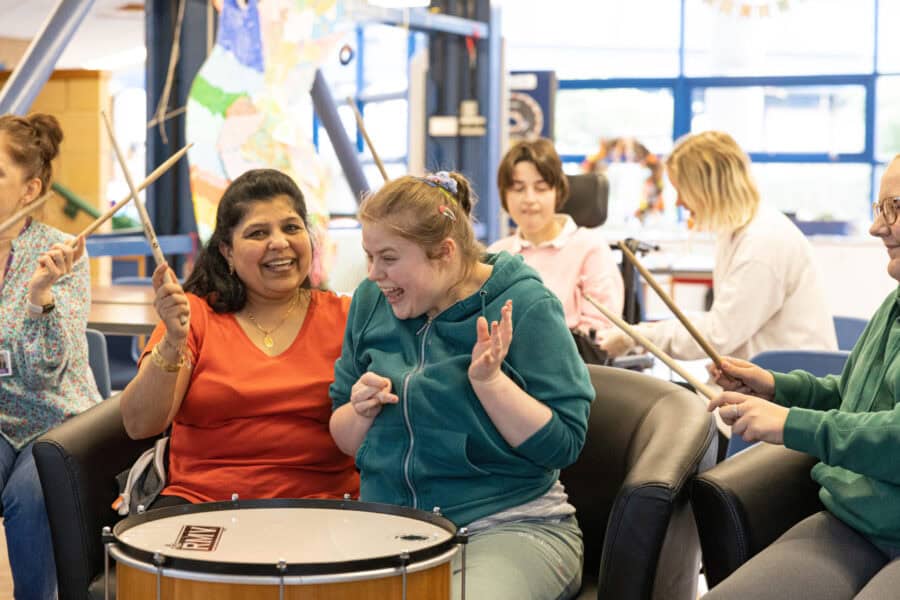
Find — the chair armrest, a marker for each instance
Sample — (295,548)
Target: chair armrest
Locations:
(650,528)
(746,502)
(77,463)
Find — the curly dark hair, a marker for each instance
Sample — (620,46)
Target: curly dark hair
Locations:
(210,278)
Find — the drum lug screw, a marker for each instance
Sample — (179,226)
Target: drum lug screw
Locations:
(106,536)
(436,510)
(404,561)
(282,567)
(347,496)
(462,536)
(234,496)
(141,509)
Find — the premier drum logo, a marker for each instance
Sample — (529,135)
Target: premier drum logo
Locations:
(201,538)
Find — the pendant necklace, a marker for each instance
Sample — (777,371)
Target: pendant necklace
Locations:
(268,342)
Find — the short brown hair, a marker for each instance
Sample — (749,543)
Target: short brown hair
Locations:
(33,142)
(712,174)
(543,156)
(426,214)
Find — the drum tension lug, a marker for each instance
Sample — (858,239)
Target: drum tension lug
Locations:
(106,536)
(462,535)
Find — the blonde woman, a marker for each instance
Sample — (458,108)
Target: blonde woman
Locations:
(767,293)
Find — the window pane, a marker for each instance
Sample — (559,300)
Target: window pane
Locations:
(590,39)
(887,117)
(888,40)
(384,58)
(778,38)
(387,122)
(829,119)
(583,117)
(817,192)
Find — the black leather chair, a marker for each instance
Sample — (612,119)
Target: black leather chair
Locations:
(646,439)
(77,463)
(745,503)
(588,199)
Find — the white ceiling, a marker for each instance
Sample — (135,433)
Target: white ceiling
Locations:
(105,32)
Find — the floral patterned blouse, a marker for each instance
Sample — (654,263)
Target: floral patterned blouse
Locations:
(51,379)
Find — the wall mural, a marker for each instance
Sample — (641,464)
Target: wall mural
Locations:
(249,106)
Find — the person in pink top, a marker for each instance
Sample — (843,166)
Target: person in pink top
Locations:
(571,260)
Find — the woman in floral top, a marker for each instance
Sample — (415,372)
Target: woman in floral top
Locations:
(44,372)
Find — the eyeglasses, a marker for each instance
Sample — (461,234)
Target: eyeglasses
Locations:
(887,209)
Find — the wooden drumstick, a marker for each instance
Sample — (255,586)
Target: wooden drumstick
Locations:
(149,233)
(153,176)
(156,174)
(25,211)
(638,337)
(362,130)
(710,351)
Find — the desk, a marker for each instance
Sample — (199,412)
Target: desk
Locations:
(123,319)
(122,294)
(123,309)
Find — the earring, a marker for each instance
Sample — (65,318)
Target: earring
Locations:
(230,268)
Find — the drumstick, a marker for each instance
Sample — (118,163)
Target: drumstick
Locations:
(25,211)
(653,348)
(362,130)
(710,351)
(156,174)
(158,256)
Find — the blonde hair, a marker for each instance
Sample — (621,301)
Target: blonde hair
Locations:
(712,175)
(426,213)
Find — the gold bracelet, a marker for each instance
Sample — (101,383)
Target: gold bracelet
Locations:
(160,361)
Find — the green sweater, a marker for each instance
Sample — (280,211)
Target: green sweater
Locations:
(437,446)
(852,424)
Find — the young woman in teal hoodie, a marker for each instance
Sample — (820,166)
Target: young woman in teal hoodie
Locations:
(852,424)
(443,410)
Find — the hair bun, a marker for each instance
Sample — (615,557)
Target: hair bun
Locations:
(48,133)
(464,194)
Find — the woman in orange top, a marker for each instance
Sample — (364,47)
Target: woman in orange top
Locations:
(241,363)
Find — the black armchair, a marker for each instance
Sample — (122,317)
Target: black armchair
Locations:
(646,439)
(77,463)
(746,502)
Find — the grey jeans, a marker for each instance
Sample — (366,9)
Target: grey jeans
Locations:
(525,560)
(820,557)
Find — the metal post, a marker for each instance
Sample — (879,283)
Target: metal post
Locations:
(345,150)
(40,58)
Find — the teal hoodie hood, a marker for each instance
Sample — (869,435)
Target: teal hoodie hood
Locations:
(437,447)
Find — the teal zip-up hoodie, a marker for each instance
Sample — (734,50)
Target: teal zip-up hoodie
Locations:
(437,447)
(852,424)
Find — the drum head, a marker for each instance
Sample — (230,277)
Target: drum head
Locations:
(311,537)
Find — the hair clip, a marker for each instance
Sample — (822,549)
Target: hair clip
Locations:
(447,212)
(443,182)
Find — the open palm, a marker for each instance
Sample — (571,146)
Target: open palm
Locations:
(491,346)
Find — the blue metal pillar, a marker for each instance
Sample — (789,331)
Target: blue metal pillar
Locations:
(489,79)
(169,199)
(345,150)
(39,60)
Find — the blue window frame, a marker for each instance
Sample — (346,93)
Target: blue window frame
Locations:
(857,110)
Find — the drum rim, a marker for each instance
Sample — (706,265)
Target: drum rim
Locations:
(259,569)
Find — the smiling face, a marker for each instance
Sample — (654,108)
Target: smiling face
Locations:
(16,189)
(889,234)
(531,203)
(270,249)
(413,284)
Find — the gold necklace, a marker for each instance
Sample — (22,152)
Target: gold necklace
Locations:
(268,342)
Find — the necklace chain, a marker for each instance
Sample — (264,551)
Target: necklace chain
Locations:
(268,342)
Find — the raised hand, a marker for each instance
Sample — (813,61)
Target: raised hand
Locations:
(370,393)
(738,375)
(491,346)
(52,266)
(751,417)
(614,341)
(171,304)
